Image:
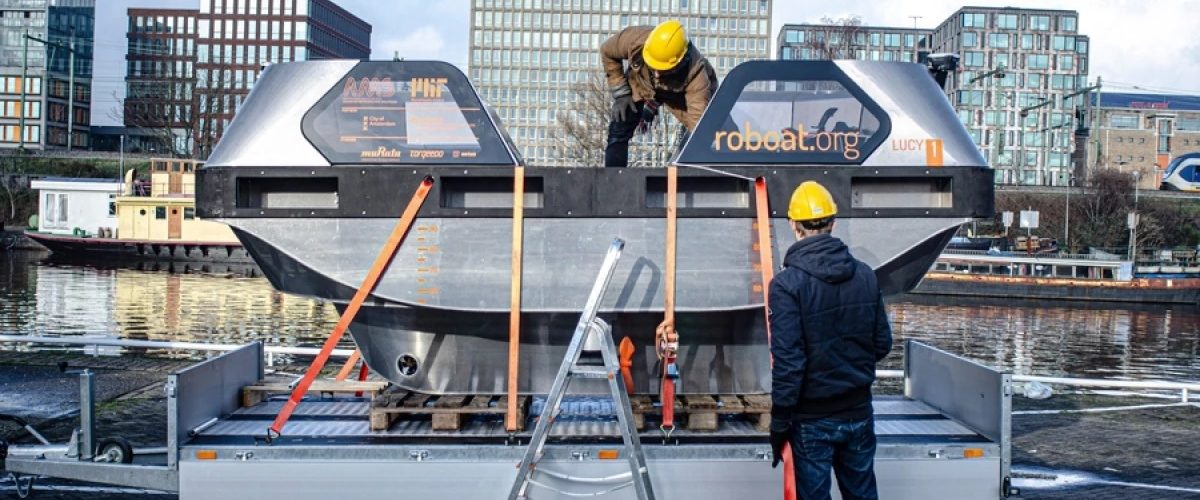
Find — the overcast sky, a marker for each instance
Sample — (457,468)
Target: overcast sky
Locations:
(1150,45)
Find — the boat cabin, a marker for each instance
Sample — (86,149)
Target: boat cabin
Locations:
(76,207)
(163,208)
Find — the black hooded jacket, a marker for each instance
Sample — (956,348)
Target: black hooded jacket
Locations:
(828,329)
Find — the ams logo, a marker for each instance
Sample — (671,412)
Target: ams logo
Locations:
(383,88)
(934,149)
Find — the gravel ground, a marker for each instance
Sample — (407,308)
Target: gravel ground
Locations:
(1126,455)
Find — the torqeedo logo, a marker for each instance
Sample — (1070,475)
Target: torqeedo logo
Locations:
(796,140)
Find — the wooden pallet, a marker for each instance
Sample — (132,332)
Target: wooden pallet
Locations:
(701,412)
(448,412)
(257,393)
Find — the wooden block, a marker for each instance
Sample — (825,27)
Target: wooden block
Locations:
(415,400)
(698,402)
(731,403)
(702,421)
(447,421)
(641,404)
(381,421)
(758,402)
(450,402)
(764,422)
(251,397)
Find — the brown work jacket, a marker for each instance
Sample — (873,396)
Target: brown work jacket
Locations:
(686,95)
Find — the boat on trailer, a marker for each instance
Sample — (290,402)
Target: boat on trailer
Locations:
(323,156)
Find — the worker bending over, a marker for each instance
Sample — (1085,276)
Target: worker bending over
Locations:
(647,67)
(828,329)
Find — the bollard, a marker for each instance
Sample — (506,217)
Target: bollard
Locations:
(87,411)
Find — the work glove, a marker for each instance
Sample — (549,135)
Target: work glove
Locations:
(622,102)
(649,112)
(781,433)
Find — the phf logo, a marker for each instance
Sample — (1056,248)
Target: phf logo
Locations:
(428,88)
(934,149)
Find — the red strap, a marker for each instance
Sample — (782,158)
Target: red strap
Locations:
(667,389)
(349,366)
(625,353)
(368,285)
(511,423)
(767,267)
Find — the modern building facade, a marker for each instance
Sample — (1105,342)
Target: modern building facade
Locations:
(160,78)
(39,39)
(847,40)
(537,63)
(1020,88)
(210,62)
(1143,132)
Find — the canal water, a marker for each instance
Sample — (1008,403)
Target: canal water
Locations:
(222,304)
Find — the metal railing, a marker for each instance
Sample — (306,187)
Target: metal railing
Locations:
(85,342)
(1185,389)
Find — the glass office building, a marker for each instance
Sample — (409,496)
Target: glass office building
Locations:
(807,42)
(238,38)
(533,61)
(189,70)
(1020,89)
(37,38)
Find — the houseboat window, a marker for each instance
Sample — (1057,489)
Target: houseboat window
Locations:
(56,210)
(160,212)
(112,204)
(189,213)
(160,166)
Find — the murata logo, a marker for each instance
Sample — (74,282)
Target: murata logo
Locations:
(369,88)
(796,140)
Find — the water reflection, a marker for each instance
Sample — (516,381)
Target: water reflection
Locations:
(231,306)
(1059,338)
(154,302)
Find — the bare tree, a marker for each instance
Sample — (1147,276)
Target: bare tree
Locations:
(835,38)
(583,128)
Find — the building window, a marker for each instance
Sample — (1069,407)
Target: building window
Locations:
(1006,21)
(1123,121)
(970,39)
(998,40)
(974,59)
(1188,124)
(974,20)
(1037,61)
(160,212)
(1039,23)
(1066,23)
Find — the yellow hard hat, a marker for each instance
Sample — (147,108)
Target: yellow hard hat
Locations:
(666,46)
(811,201)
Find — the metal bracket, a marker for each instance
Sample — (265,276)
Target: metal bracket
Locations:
(418,455)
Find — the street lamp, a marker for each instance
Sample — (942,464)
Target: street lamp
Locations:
(1067,224)
(997,73)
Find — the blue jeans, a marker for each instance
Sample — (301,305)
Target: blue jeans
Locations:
(846,446)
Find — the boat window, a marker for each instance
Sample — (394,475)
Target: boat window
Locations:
(810,118)
(160,212)
(189,213)
(420,112)
(793,112)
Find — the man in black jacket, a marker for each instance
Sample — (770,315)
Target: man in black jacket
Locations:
(828,329)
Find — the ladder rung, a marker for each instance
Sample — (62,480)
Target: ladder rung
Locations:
(590,373)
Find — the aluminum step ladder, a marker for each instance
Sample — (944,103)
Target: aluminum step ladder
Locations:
(591,334)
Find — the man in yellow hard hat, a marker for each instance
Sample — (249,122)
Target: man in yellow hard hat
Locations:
(828,330)
(648,66)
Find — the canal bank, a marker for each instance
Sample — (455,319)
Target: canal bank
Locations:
(1145,453)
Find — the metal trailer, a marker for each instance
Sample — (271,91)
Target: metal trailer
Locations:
(947,437)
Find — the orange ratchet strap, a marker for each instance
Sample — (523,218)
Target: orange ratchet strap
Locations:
(667,348)
(368,285)
(767,267)
(514,310)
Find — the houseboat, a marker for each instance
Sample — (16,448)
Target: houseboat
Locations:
(1101,277)
(152,219)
